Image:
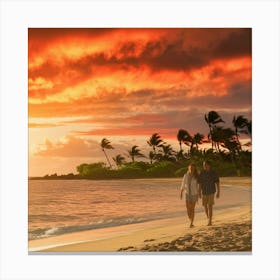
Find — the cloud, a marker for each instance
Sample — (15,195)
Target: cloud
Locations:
(43,125)
(70,147)
(84,148)
(70,60)
(237,43)
(166,124)
(128,131)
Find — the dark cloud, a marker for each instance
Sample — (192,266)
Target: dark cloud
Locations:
(237,43)
(49,34)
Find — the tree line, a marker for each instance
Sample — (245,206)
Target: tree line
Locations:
(226,153)
(226,149)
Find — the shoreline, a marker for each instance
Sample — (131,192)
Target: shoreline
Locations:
(158,235)
(136,178)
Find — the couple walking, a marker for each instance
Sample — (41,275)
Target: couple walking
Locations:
(194,184)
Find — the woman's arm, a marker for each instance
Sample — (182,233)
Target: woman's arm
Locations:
(181,194)
(182,186)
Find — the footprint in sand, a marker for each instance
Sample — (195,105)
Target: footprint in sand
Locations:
(148,240)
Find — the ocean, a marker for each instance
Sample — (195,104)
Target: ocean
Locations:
(62,206)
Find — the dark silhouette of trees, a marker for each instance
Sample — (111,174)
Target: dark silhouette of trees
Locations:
(197,139)
(239,124)
(155,141)
(152,156)
(119,160)
(181,136)
(212,118)
(135,152)
(105,144)
(167,153)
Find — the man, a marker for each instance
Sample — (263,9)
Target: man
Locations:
(208,180)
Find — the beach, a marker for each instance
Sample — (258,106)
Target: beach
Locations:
(231,230)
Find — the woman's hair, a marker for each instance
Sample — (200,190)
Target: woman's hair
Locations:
(195,173)
(207,162)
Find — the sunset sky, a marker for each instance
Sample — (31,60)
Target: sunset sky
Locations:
(125,85)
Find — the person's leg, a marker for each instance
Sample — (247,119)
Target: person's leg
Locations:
(204,203)
(192,212)
(206,210)
(188,208)
(210,214)
(210,209)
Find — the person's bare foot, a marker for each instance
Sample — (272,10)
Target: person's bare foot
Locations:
(209,224)
(191,225)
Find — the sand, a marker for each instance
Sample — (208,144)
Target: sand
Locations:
(231,232)
(234,236)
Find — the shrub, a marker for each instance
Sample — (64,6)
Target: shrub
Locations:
(161,169)
(130,172)
(180,172)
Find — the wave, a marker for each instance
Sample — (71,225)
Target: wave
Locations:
(39,233)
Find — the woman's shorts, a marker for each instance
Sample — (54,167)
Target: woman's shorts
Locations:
(208,199)
(192,198)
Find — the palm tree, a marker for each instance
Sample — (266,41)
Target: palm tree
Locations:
(179,155)
(119,160)
(167,152)
(212,118)
(152,156)
(135,152)
(105,144)
(155,141)
(221,135)
(239,123)
(180,136)
(249,127)
(197,139)
(183,136)
(248,131)
(233,147)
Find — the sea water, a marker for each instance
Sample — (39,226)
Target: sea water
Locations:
(62,206)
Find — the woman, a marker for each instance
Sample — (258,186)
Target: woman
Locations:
(190,186)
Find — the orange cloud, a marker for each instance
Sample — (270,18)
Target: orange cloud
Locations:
(128,58)
(42,125)
(70,147)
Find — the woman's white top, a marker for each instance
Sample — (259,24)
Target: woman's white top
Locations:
(189,184)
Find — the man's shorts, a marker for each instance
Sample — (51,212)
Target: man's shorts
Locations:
(208,199)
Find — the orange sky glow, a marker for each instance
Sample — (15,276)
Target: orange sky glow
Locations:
(126,84)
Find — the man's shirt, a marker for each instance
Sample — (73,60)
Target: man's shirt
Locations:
(207,181)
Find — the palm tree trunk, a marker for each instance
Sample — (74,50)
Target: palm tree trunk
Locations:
(211,137)
(237,138)
(107,158)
